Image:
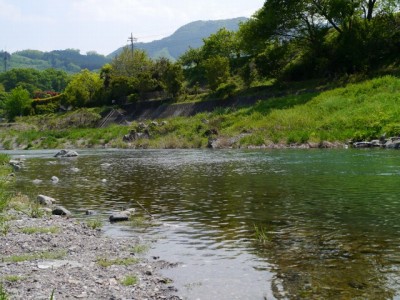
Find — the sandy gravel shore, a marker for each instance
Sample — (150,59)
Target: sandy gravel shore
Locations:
(67,259)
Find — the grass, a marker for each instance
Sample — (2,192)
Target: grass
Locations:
(129,280)
(94,223)
(34,230)
(13,278)
(4,226)
(137,221)
(105,262)
(357,111)
(24,204)
(34,256)
(3,293)
(261,234)
(5,170)
(140,249)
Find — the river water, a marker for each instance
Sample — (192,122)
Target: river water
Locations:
(331,217)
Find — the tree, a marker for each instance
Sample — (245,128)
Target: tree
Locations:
(330,36)
(217,71)
(17,103)
(172,78)
(191,58)
(82,89)
(222,43)
(131,64)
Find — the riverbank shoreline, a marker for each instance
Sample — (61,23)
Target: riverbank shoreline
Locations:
(55,257)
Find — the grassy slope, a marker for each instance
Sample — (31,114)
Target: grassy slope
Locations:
(358,111)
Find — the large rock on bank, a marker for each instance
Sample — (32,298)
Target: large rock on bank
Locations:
(66,153)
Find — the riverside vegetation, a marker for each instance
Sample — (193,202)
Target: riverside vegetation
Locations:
(357,111)
(329,58)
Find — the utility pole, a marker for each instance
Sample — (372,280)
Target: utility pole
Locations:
(6,56)
(132,40)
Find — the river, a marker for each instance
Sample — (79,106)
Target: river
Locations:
(331,217)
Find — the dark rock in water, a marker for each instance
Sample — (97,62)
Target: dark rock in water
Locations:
(362,145)
(90,212)
(119,217)
(61,211)
(66,153)
(45,200)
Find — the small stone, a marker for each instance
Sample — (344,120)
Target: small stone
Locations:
(55,179)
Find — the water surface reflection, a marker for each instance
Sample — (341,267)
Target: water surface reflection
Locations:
(331,216)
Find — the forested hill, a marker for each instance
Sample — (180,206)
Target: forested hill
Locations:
(69,60)
(189,35)
(72,61)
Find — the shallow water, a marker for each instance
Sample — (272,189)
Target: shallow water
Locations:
(332,216)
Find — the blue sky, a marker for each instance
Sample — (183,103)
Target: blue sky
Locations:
(104,25)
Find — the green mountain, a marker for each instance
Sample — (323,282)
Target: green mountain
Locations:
(69,60)
(72,61)
(189,35)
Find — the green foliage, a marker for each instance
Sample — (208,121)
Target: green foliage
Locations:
(105,262)
(223,43)
(140,249)
(94,223)
(33,256)
(3,293)
(129,280)
(131,64)
(69,60)
(261,234)
(17,103)
(189,35)
(336,37)
(82,89)
(216,70)
(34,230)
(13,278)
(33,80)
(170,75)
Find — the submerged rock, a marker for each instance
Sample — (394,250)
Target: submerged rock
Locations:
(66,153)
(122,216)
(119,217)
(45,200)
(61,211)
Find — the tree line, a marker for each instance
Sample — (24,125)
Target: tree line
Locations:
(284,40)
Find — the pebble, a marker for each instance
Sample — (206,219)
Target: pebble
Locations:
(77,274)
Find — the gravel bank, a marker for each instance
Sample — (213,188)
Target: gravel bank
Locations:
(66,262)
